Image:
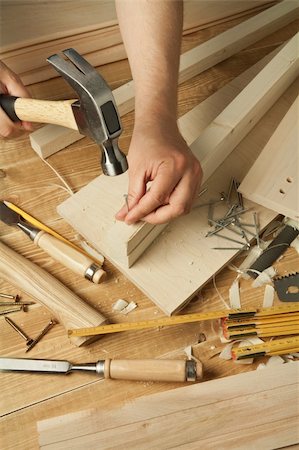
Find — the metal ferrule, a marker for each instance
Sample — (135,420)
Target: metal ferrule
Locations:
(190,370)
(90,271)
(32,232)
(100,368)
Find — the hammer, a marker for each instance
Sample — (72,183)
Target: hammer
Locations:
(94,114)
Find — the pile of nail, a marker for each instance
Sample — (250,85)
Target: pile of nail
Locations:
(232,221)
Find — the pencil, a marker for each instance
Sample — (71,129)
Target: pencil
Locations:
(33,221)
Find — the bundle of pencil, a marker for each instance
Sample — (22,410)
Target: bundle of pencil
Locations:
(285,324)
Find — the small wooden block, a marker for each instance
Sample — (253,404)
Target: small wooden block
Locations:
(51,138)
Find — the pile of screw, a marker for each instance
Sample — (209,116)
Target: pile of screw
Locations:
(231,220)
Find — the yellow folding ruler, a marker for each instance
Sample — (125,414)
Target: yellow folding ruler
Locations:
(184,318)
(275,347)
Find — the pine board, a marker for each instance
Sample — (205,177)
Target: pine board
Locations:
(193,62)
(257,409)
(26,23)
(273,180)
(181,260)
(25,48)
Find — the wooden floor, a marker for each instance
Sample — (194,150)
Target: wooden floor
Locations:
(29,183)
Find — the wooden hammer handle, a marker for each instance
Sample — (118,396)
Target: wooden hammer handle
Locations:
(69,309)
(150,370)
(41,111)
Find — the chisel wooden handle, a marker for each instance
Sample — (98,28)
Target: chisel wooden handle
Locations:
(41,111)
(153,370)
(31,279)
(69,257)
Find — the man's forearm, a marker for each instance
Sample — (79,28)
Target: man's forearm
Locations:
(151,30)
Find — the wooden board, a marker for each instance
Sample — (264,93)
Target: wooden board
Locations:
(192,63)
(26,23)
(258,409)
(273,180)
(97,36)
(181,261)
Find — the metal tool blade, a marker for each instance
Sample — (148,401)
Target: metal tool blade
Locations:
(34,365)
(8,216)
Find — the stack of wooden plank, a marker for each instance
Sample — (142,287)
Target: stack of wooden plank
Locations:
(90,27)
(182,260)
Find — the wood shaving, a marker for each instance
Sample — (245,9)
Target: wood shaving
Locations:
(119,305)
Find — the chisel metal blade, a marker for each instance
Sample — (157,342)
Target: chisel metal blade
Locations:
(34,365)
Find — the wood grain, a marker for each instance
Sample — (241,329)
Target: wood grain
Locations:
(193,62)
(171,419)
(273,180)
(25,180)
(50,29)
(31,279)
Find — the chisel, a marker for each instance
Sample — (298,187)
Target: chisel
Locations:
(61,252)
(130,369)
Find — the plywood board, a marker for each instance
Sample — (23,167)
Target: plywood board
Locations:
(273,180)
(181,260)
(257,409)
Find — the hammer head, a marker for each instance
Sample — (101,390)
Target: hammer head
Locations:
(95,112)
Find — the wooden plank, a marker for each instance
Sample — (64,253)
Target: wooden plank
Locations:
(273,180)
(193,62)
(105,45)
(28,23)
(262,399)
(181,253)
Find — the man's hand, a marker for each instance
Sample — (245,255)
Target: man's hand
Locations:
(11,84)
(162,157)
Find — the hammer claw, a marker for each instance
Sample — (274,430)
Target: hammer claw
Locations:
(80,63)
(67,70)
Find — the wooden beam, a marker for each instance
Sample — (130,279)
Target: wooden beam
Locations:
(264,403)
(196,60)
(181,260)
(273,180)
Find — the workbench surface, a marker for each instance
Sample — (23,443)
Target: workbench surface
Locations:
(28,182)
